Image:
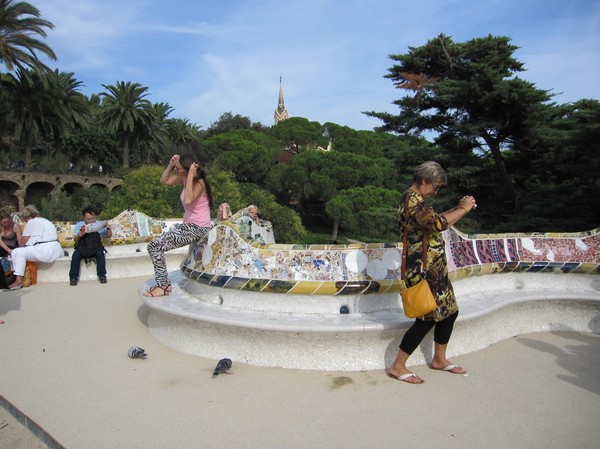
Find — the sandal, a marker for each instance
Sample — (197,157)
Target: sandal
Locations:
(409,378)
(454,369)
(157,288)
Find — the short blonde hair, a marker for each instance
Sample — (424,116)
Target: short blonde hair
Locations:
(30,211)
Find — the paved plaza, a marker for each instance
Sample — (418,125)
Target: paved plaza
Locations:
(65,368)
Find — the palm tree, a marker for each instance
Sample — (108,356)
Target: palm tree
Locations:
(161,112)
(20,22)
(43,107)
(126,112)
(183,133)
(70,109)
(152,141)
(25,94)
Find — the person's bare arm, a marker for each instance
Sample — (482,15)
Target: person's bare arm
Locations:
(168,177)
(192,189)
(456,213)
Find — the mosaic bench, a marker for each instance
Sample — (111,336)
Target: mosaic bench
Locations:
(337,307)
(127,255)
(130,227)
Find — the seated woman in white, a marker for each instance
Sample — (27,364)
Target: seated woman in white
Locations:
(39,243)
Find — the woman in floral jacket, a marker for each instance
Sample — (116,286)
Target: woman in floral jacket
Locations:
(420,221)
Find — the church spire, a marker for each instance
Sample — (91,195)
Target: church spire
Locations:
(281,112)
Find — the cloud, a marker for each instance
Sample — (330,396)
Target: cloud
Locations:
(205,58)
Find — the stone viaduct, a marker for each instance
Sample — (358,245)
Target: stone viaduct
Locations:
(18,188)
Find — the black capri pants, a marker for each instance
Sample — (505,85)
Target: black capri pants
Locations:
(415,335)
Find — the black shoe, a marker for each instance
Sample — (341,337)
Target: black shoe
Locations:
(103,280)
(73,282)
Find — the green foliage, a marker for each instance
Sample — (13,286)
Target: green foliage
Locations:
(406,152)
(229,122)
(59,207)
(319,237)
(95,197)
(496,135)
(45,108)
(20,26)
(92,146)
(225,189)
(467,94)
(319,176)
(142,191)
(301,131)
(563,162)
(275,183)
(71,109)
(28,100)
(151,140)
(347,140)
(247,154)
(183,134)
(126,113)
(368,211)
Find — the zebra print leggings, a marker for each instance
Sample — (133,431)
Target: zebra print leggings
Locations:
(179,235)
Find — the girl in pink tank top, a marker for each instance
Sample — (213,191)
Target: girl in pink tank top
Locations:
(197,201)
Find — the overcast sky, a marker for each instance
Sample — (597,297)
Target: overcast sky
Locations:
(205,58)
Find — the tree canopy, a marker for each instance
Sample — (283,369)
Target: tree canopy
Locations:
(21,27)
(463,105)
(467,94)
(497,135)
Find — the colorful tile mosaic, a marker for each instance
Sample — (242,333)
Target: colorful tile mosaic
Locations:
(128,227)
(226,260)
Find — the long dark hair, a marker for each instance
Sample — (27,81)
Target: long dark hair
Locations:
(186,161)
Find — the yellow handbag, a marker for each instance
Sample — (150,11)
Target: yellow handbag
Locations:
(418,299)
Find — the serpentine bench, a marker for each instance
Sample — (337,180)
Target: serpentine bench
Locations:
(337,307)
(126,250)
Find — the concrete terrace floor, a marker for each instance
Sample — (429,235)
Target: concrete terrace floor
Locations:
(64,366)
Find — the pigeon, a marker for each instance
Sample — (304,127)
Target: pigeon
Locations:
(135,352)
(222,367)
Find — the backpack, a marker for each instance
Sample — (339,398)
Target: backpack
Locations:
(89,244)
